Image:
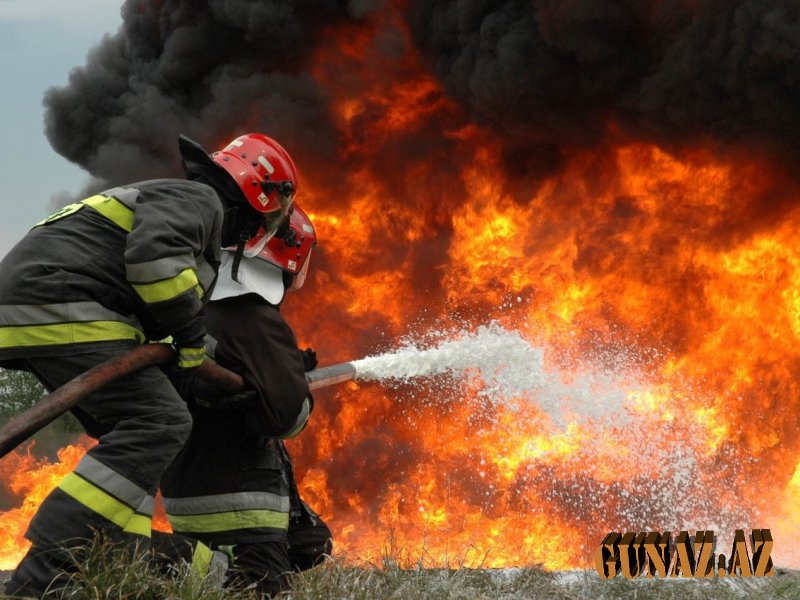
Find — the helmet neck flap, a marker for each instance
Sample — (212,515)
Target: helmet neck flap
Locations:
(271,267)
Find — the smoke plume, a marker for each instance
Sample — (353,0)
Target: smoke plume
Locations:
(546,77)
(561,74)
(209,70)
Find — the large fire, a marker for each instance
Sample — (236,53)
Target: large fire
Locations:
(649,277)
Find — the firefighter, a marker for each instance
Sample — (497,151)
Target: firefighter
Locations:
(232,486)
(127,266)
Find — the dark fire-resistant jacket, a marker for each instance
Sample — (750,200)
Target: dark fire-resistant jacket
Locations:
(127,265)
(231,483)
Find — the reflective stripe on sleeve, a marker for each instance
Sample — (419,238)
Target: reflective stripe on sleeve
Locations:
(67,312)
(158,270)
(23,325)
(113,210)
(67,333)
(119,212)
(126,196)
(61,213)
(168,289)
(188,358)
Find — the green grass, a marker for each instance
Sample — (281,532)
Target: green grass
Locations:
(104,573)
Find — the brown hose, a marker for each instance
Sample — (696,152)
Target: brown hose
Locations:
(52,406)
(55,404)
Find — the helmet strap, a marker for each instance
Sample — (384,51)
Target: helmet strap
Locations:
(230,226)
(237,256)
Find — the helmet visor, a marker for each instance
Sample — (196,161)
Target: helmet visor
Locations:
(255,244)
(277,217)
(299,279)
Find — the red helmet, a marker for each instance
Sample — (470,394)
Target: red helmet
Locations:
(264,172)
(290,248)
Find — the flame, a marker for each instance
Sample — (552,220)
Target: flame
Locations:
(28,479)
(662,283)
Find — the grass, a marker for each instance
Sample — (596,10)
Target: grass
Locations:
(104,573)
(363,582)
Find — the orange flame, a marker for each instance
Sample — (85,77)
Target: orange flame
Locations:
(29,479)
(26,480)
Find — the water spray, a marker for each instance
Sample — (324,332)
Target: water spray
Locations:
(491,350)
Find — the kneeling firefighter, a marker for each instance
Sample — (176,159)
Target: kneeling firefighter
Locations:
(231,489)
(127,266)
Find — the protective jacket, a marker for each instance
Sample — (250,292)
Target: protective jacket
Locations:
(230,483)
(129,264)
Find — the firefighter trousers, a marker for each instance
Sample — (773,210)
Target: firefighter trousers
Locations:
(140,422)
(262,566)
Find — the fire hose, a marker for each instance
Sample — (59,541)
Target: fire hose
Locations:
(20,428)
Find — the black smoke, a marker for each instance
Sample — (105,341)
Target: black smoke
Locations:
(555,74)
(210,70)
(545,76)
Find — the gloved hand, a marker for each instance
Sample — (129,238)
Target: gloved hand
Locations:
(309,359)
(190,350)
(182,380)
(190,345)
(206,394)
(238,401)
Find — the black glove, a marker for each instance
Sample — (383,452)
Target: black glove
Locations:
(309,359)
(189,344)
(181,381)
(238,401)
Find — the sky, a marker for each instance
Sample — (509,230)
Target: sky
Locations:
(41,41)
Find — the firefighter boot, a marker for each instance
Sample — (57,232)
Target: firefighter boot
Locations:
(41,571)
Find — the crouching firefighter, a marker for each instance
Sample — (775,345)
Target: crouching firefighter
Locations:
(231,490)
(129,265)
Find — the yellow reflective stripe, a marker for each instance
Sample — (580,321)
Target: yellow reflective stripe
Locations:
(113,210)
(229,521)
(119,486)
(201,559)
(191,357)
(62,212)
(68,333)
(104,504)
(139,525)
(168,288)
(189,352)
